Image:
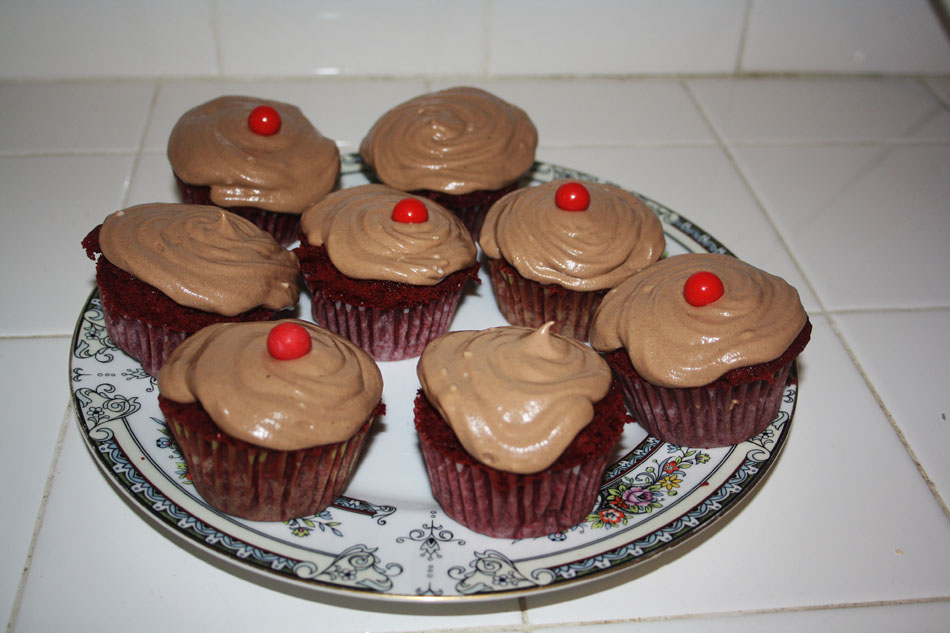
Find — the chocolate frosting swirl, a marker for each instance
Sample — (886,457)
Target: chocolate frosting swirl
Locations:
(364,242)
(515,397)
(321,398)
(201,257)
(457,140)
(674,344)
(613,238)
(212,145)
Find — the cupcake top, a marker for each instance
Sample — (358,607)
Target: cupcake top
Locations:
(515,397)
(682,329)
(321,397)
(201,257)
(215,144)
(456,141)
(366,237)
(582,236)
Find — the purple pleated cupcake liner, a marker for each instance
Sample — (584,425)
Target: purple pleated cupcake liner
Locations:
(507,505)
(718,414)
(531,304)
(149,344)
(260,484)
(387,335)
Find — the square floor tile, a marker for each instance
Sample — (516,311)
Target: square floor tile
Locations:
(34,372)
(868,224)
(51,203)
(779,550)
(132,38)
(904,354)
(845,36)
(821,110)
(375,37)
(41,118)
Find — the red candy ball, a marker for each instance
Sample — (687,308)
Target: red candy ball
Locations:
(264,120)
(702,288)
(410,210)
(572,196)
(287,341)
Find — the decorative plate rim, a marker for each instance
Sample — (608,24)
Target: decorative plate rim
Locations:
(118,446)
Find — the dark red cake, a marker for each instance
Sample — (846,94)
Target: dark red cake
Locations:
(469,207)
(737,406)
(143,321)
(390,320)
(510,505)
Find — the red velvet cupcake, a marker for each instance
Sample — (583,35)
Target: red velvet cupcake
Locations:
(271,418)
(462,147)
(703,345)
(556,249)
(516,428)
(258,158)
(165,271)
(385,270)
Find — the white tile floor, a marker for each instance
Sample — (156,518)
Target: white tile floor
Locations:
(838,184)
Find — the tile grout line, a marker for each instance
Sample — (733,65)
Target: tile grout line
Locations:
(829,315)
(750,612)
(890,418)
(744,35)
(40,515)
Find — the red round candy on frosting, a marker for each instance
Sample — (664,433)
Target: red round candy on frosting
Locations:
(572,196)
(702,288)
(288,341)
(264,120)
(410,210)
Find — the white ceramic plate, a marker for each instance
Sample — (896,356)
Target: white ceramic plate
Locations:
(387,539)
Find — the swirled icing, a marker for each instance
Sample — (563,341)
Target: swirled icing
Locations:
(674,344)
(613,238)
(363,241)
(212,145)
(515,397)
(201,257)
(457,140)
(321,398)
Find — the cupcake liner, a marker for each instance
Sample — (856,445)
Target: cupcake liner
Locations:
(149,344)
(257,483)
(387,334)
(736,407)
(510,505)
(528,303)
(282,226)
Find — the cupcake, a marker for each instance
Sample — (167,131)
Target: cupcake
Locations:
(260,159)
(386,270)
(703,345)
(462,147)
(556,249)
(165,271)
(270,417)
(516,427)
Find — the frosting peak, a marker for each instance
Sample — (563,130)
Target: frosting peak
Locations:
(515,397)
(201,257)
(672,343)
(458,140)
(213,145)
(322,397)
